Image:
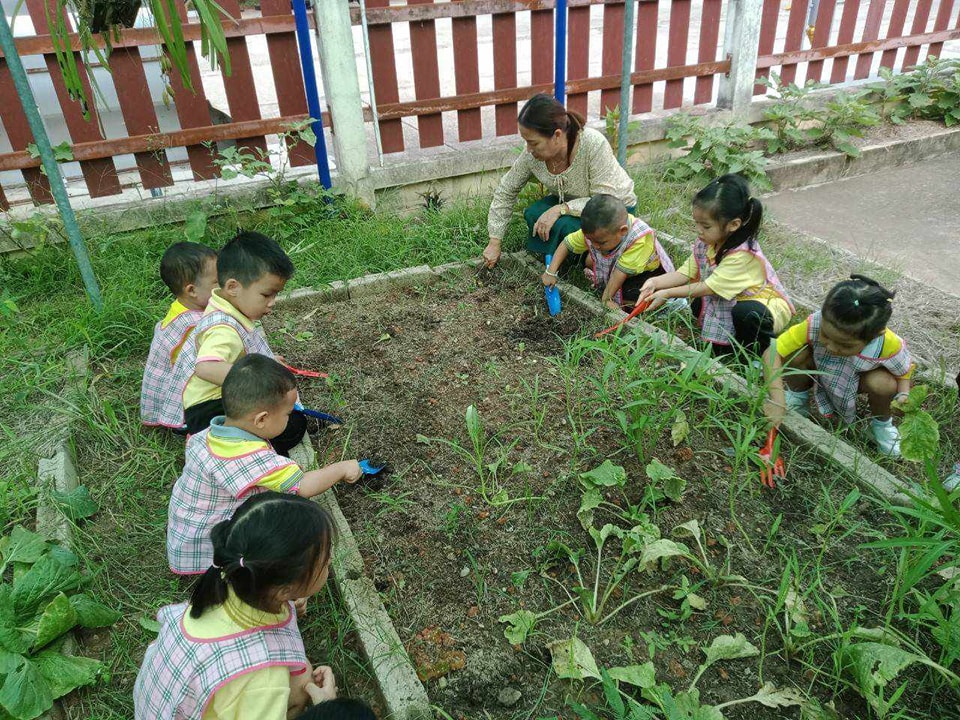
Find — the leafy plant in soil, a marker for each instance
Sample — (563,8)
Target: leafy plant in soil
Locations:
(40,602)
(713,150)
(931,92)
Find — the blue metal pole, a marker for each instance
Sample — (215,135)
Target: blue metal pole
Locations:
(626,62)
(310,84)
(560,54)
(50,166)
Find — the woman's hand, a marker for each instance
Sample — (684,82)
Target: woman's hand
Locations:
(491,253)
(544,224)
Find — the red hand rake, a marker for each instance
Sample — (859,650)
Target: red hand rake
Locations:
(639,308)
(771,463)
(305,373)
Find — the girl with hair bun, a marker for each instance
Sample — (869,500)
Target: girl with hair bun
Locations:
(571,161)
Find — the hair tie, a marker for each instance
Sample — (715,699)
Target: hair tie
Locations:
(216,567)
(241,561)
(856,303)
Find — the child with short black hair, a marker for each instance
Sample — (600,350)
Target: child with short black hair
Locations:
(189,270)
(735,292)
(622,251)
(842,350)
(235,650)
(233,458)
(252,270)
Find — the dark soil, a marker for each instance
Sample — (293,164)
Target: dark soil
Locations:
(407,364)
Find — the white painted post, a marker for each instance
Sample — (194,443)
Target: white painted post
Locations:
(338,67)
(742,45)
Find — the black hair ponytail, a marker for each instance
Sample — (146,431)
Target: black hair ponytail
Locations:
(254,559)
(545,115)
(728,198)
(859,306)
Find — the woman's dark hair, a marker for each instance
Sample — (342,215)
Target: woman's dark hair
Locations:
(272,540)
(728,198)
(859,306)
(544,114)
(339,709)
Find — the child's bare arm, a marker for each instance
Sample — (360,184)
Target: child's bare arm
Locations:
(559,255)
(315,482)
(668,280)
(616,281)
(212,371)
(775,405)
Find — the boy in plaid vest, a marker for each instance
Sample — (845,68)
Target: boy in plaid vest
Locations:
(735,293)
(233,458)
(235,651)
(622,251)
(252,270)
(190,271)
(840,351)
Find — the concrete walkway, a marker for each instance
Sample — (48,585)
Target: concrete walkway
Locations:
(905,218)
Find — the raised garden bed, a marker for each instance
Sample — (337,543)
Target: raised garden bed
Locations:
(480,519)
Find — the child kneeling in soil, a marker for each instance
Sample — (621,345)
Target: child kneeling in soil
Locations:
(233,458)
(735,292)
(252,269)
(235,650)
(190,271)
(622,251)
(841,350)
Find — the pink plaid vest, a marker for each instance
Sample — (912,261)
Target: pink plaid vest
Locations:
(180,674)
(210,489)
(253,342)
(838,377)
(158,399)
(716,316)
(603,265)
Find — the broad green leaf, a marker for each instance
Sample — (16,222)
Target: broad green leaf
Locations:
(149,624)
(774,697)
(691,527)
(25,693)
(12,638)
(729,647)
(63,556)
(919,100)
(915,399)
(872,665)
(607,475)
(612,694)
(196,226)
(8,662)
(657,471)
(573,660)
(686,706)
(91,614)
(696,602)
(680,429)
(22,546)
(64,673)
(42,581)
(588,503)
(674,486)
(919,436)
(58,617)
(474,428)
(600,536)
(661,549)
(642,676)
(76,504)
(520,624)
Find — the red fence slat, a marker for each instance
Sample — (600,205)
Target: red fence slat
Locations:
(239,85)
(139,116)
(768,35)
(871,31)
(848,25)
(100,176)
(467,75)
(898,19)
(709,37)
(288,79)
(919,25)
(426,76)
(18,132)
(794,38)
(677,51)
(578,54)
(941,23)
(821,35)
(505,69)
(383,63)
(646,42)
(541,46)
(612,54)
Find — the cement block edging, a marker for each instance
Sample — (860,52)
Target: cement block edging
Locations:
(403,694)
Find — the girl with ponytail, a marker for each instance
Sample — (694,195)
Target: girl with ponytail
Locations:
(737,297)
(842,350)
(573,162)
(235,650)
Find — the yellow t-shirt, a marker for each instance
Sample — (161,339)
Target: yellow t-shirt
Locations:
(231,442)
(795,337)
(258,695)
(640,258)
(177,309)
(220,343)
(739,273)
